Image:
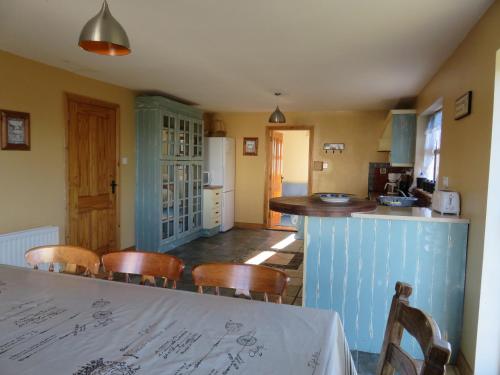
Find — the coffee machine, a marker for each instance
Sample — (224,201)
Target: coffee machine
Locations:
(392,186)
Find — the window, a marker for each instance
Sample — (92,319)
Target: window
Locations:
(432,146)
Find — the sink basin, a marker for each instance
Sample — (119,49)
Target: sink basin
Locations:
(395,201)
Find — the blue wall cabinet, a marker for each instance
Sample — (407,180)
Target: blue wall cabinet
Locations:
(400,137)
(169,173)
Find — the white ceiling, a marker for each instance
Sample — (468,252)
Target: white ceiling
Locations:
(231,55)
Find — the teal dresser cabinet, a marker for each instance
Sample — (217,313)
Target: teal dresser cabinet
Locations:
(169,193)
(399,137)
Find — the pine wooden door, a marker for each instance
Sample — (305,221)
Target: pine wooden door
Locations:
(92,163)
(276,174)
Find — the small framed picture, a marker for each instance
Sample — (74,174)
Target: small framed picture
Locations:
(250,146)
(463,106)
(15,132)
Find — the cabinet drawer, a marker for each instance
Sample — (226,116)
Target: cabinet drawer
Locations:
(211,222)
(215,215)
(213,194)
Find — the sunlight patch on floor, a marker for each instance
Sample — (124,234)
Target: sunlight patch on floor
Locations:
(261,257)
(284,243)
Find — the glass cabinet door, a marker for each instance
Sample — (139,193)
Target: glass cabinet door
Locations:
(168,136)
(197,194)
(197,133)
(168,200)
(182,183)
(183,135)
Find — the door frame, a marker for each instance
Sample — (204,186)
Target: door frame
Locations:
(70,97)
(269,131)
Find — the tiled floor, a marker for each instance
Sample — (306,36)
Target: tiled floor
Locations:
(239,245)
(366,363)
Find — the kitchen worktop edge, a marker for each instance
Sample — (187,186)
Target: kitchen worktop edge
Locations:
(409,214)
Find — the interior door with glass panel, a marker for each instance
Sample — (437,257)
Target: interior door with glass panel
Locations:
(183,138)
(197,195)
(197,139)
(183,180)
(168,200)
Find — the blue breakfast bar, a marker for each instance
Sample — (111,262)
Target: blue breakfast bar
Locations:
(352,263)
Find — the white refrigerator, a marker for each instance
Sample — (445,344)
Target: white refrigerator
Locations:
(220,162)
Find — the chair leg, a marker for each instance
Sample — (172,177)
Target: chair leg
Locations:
(279,300)
(266,297)
(217,291)
(200,289)
(110,276)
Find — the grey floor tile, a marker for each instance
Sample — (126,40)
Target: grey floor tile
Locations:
(366,363)
(237,245)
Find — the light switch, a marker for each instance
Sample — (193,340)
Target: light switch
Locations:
(325,165)
(124,160)
(445,182)
(318,165)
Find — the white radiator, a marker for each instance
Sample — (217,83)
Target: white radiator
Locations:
(14,245)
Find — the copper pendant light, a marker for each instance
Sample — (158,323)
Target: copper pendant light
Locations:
(104,35)
(277,117)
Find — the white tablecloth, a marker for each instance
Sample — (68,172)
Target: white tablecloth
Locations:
(60,324)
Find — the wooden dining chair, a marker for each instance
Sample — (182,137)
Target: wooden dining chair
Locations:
(423,328)
(148,265)
(246,277)
(72,257)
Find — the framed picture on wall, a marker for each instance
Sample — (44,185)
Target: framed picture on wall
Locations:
(463,106)
(15,132)
(250,146)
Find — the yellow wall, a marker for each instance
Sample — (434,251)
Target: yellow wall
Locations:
(295,155)
(347,172)
(33,183)
(465,145)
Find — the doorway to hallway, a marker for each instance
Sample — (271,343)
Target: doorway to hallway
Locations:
(288,166)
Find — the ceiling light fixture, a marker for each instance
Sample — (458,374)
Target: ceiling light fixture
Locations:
(104,35)
(277,117)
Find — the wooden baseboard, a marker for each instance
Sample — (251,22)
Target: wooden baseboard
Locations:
(283,228)
(462,365)
(240,225)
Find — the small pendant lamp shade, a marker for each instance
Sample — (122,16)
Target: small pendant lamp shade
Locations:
(103,35)
(277,116)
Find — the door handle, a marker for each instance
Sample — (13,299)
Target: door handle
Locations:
(113,186)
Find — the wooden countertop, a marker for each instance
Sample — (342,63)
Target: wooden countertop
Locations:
(314,206)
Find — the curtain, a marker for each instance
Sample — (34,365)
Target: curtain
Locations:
(430,168)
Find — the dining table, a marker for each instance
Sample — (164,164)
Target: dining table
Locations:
(53,323)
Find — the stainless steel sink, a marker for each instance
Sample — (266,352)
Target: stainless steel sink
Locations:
(395,201)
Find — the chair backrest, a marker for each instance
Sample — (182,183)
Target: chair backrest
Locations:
(149,265)
(423,328)
(66,255)
(245,277)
